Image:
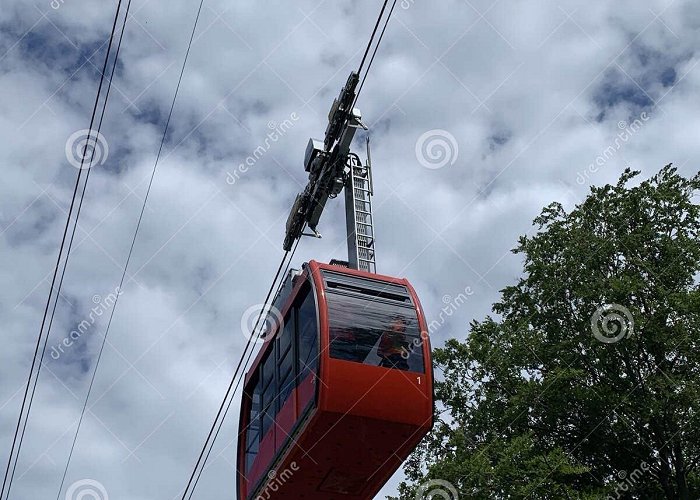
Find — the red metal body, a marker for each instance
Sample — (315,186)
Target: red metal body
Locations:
(346,427)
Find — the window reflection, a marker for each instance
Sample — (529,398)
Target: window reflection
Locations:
(373,331)
(308,336)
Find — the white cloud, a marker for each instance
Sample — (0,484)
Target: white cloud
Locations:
(533,93)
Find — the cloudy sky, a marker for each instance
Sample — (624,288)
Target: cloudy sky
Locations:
(481,113)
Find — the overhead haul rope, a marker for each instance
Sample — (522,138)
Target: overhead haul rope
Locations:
(230,391)
(80,420)
(133,243)
(376,47)
(238,374)
(240,377)
(374,32)
(28,398)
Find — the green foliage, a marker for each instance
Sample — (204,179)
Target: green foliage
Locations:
(534,405)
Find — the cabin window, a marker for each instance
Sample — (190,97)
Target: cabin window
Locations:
(374,331)
(268,395)
(308,336)
(268,371)
(276,376)
(253,431)
(285,360)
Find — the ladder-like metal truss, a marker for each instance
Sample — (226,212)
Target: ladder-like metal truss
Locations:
(358,215)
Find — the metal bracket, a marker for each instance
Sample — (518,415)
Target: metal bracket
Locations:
(314,234)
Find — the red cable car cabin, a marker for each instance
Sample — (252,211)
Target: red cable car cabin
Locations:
(338,399)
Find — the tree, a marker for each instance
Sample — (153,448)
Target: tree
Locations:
(586,382)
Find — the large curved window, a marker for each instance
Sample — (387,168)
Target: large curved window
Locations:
(373,323)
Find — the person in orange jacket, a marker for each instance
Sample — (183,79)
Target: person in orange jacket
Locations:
(393,344)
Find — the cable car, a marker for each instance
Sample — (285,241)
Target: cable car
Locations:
(341,391)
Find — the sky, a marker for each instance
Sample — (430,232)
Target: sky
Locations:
(480,112)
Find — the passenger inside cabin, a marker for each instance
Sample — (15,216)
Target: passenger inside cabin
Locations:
(366,332)
(393,345)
